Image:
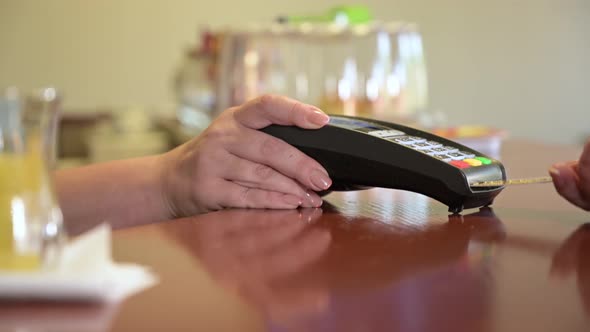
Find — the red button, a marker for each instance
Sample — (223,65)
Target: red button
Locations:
(459,164)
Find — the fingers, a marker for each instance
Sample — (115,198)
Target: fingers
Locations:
(234,195)
(268,150)
(266,110)
(260,176)
(566,181)
(308,200)
(583,168)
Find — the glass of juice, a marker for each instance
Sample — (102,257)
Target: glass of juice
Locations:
(31,223)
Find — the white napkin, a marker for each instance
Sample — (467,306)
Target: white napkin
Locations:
(85,272)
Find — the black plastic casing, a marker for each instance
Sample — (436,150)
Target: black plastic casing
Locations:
(357,160)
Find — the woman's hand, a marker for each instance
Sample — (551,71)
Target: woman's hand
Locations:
(233,164)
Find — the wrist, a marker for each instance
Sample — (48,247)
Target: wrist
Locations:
(164,184)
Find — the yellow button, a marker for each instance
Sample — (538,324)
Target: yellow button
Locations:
(473,162)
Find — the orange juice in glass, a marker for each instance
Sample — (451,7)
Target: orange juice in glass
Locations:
(14,255)
(29,228)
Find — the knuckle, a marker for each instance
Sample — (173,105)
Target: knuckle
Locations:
(244,196)
(230,111)
(263,172)
(221,136)
(270,146)
(265,101)
(205,159)
(214,133)
(295,112)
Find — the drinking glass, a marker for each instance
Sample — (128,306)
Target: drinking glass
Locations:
(31,222)
(375,70)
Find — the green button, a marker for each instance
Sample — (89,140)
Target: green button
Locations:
(483,160)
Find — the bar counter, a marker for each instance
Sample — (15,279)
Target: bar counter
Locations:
(373,260)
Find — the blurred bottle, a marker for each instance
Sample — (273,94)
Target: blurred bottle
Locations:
(31,222)
(376,71)
(352,65)
(194,84)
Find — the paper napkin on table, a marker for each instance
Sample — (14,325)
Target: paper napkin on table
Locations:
(85,272)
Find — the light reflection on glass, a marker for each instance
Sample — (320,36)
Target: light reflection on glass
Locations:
(383,44)
(19,229)
(372,89)
(393,85)
(405,46)
(251,59)
(349,76)
(375,70)
(49,93)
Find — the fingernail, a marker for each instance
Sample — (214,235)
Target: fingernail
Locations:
(313,199)
(292,200)
(555,175)
(317,117)
(320,179)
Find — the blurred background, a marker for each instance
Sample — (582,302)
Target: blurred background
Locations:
(139,77)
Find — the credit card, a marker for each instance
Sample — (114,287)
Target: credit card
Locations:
(542,179)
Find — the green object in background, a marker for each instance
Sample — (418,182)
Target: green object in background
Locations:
(345,15)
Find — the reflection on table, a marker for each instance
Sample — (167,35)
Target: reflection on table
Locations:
(573,259)
(307,273)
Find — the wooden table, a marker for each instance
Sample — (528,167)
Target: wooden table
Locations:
(376,260)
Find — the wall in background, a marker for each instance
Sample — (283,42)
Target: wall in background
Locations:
(523,66)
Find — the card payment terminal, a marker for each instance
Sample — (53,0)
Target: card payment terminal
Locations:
(362,153)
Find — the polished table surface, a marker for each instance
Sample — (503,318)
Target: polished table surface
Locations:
(375,260)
